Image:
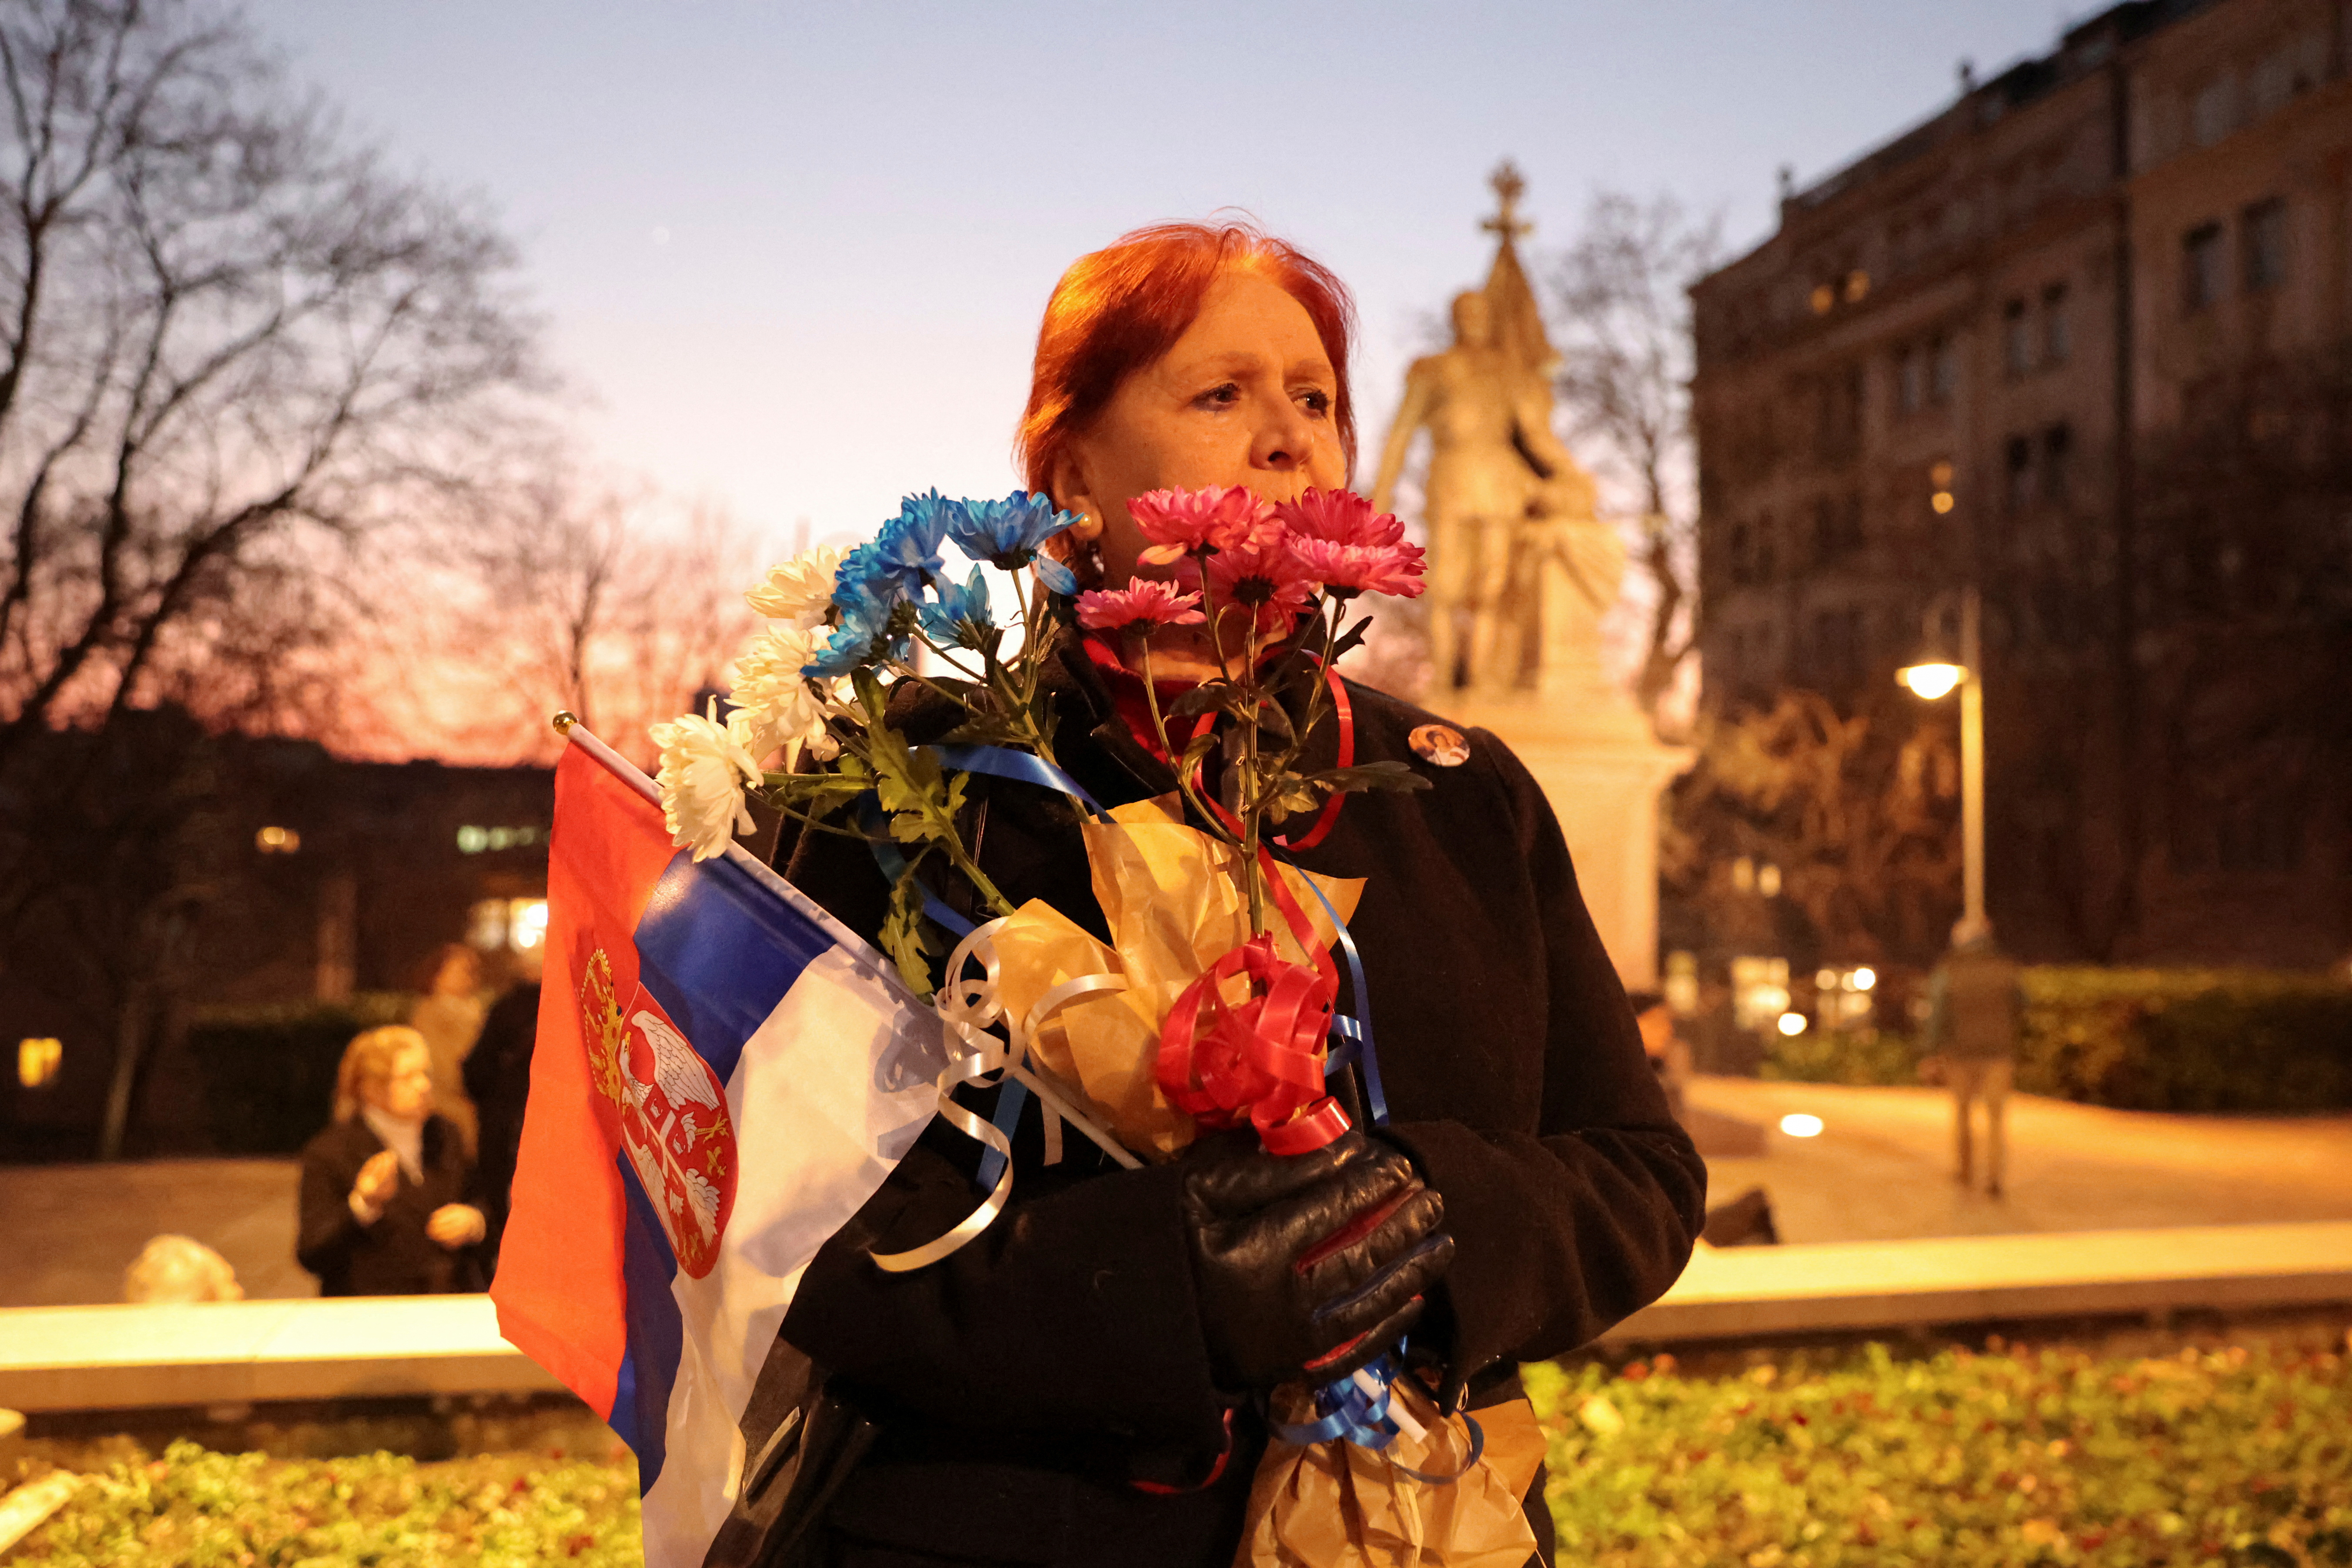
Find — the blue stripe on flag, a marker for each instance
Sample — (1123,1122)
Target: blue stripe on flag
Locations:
(719,950)
(640,1415)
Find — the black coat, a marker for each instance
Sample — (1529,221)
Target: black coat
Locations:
(1024,1381)
(393,1257)
(497,1081)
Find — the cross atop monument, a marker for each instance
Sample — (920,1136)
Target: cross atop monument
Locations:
(1509,185)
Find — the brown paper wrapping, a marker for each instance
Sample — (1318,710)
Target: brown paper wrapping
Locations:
(1175,903)
(1335,1505)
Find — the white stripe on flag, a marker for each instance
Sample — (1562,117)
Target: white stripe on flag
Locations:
(830,1093)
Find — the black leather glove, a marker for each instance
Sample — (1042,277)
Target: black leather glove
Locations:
(1308,1264)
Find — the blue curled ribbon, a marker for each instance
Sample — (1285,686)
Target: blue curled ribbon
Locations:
(1349,1413)
(1003,763)
(1355,1033)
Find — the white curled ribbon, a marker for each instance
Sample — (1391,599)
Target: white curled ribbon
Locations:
(968,1006)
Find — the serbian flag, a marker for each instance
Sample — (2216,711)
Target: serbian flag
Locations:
(723,1074)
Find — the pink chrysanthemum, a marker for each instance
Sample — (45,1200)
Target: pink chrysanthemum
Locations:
(1341,516)
(1217,517)
(1267,580)
(1347,570)
(1145,606)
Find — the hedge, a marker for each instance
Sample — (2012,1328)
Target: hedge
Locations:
(1855,1460)
(2138,1039)
(2176,1039)
(2017,1459)
(269,1071)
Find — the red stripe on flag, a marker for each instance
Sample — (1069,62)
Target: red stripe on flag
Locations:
(559,1289)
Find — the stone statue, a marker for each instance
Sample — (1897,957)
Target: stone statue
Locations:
(1520,571)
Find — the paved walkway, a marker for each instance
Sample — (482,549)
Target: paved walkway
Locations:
(1881,1167)
(67,1232)
(1879,1170)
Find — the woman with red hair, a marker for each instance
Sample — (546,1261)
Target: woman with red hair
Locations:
(1084,1382)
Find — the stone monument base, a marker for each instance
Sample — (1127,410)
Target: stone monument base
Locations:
(1602,769)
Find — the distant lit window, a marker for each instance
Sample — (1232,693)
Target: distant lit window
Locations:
(1943,370)
(2265,240)
(1760,992)
(2057,341)
(2201,266)
(475,839)
(1857,286)
(511,925)
(1682,983)
(277,841)
(1823,296)
(38,1059)
(2016,339)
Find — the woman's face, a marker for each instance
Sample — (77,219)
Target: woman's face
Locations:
(1244,397)
(458,975)
(405,1092)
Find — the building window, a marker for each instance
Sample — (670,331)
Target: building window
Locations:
(1943,370)
(2201,266)
(2057,458)
(1837,649)
(2016,339)
(2265,240)
(2215,111)
(2019,470)
(2056,342)
(1910,379)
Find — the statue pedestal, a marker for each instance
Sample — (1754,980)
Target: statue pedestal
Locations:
(1602,770)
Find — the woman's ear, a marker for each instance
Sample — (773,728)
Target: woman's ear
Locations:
(1066,482)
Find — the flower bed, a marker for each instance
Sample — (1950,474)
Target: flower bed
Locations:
(2239,1455)
(2060,1456)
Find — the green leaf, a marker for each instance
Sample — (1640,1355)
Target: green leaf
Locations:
(902,933)
(1371,776)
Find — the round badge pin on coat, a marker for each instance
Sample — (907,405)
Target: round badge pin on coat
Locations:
(1440,745)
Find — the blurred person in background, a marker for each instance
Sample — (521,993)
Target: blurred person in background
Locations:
(389,1203)
(498,1077)
(1670,1056)
(448,1014)
(1973,1008)
(180,1268)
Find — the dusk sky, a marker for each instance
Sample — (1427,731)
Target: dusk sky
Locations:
(795,256)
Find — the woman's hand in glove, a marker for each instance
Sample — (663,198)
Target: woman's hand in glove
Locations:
(1308,1264)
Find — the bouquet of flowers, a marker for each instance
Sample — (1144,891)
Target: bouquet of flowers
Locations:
(1213,1004)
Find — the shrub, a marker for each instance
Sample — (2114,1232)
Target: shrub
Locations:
(1830,1056)
(193,1506)
(2213,1040)
(269,1072)
(2232,1456)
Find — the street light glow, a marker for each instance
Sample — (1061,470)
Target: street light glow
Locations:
(1931,680)
(1797,1124)
(1864,978)
(1792,1023)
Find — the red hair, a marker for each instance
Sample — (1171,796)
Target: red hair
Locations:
(1119,308)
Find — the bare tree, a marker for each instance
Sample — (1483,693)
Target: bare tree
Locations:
(1621,315)
(228,340)
(567,593)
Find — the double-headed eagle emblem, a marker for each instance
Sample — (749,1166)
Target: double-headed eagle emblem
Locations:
(674,1123)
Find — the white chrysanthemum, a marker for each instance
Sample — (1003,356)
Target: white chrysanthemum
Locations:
(798,590)
(774,707)
(703,772)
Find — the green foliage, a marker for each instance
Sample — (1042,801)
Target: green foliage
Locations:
(902,933)
(2013,1459)
(196,1507)
(1861,1057)
(2210,1041)
(269,1071)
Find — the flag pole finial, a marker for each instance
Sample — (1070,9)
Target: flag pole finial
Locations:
(564,720)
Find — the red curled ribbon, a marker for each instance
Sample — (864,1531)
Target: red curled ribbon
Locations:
(1260,1060)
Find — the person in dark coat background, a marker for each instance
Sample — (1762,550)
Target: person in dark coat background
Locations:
(497,1081)
(1078,1385)
(389,1203)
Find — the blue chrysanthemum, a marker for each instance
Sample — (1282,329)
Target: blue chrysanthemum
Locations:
(960,615)
(907,551)
(1057,578)
(863,599)
(1006,533)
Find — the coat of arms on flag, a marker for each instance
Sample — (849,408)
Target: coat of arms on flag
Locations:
(723,1076)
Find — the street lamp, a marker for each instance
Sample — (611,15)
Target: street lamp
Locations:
(1931,678)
